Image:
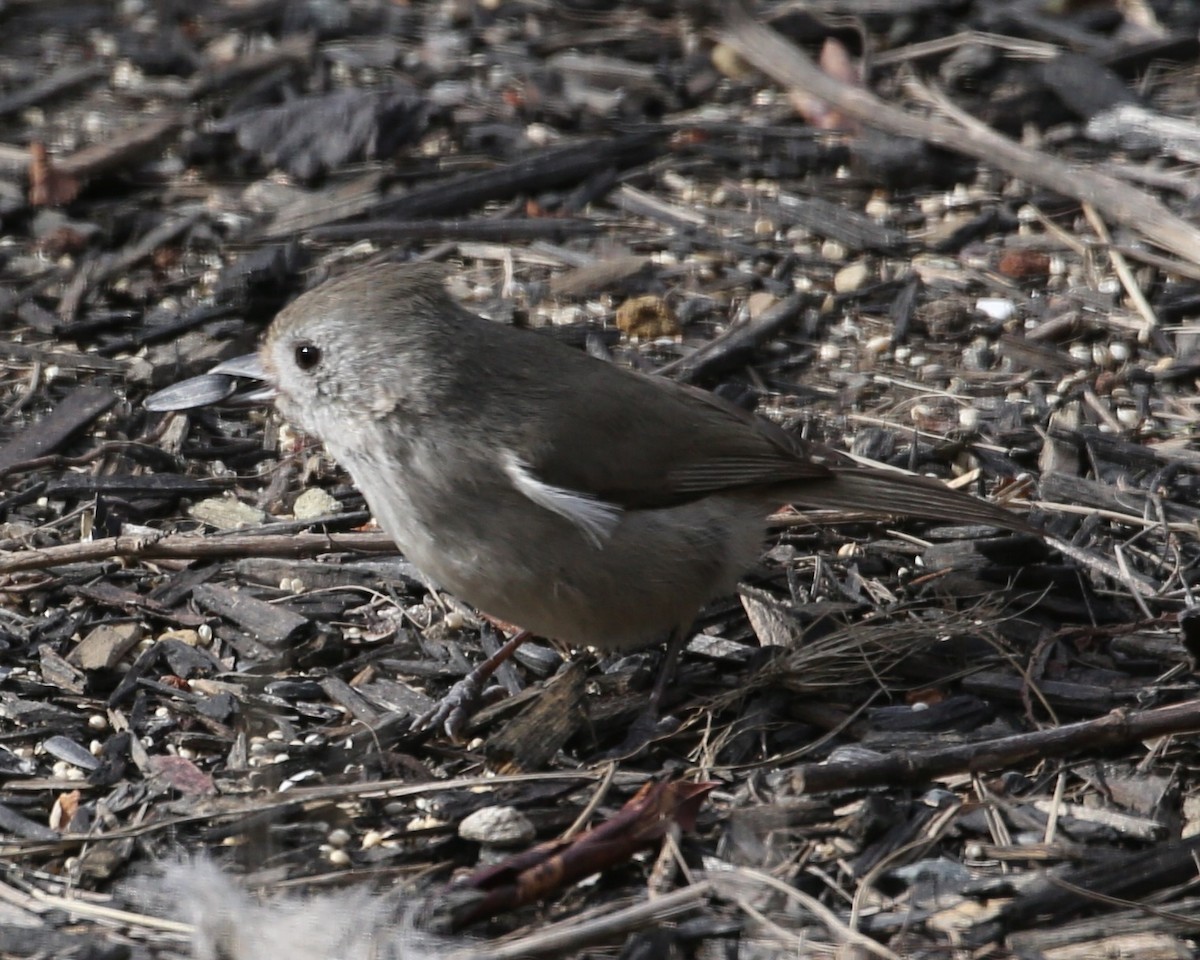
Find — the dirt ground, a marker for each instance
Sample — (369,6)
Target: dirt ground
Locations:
(953,238)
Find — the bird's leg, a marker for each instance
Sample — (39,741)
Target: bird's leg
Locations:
(453,710)
(650,724)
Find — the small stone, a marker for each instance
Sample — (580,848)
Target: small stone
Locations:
(997,308)
(314,502)
(878,345)
(226,513)
(878,207)
(424,823)
(1128,417)
(729,63)
(647,318)
(1024,264)
(760,302)
(1081,352)
(932,205)
(852,277)
(371,839)
(339,837)
(497,826)
(190,637)
(106,646)
(832,250)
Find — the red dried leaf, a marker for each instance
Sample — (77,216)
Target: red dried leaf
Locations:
(1024,264)
(182,775)
(48,187)
(531,875)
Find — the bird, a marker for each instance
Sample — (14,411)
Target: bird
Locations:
(577,499)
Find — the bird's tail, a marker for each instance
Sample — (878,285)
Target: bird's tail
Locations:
(891,492)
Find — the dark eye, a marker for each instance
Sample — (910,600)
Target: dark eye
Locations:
(308,355)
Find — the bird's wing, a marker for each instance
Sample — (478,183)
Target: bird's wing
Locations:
(640,442)
(597,434)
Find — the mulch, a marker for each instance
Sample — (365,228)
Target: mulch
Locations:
(957,239)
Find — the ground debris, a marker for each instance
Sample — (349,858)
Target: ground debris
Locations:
(955,241)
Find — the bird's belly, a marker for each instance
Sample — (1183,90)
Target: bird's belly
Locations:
(651,575)
(535,569)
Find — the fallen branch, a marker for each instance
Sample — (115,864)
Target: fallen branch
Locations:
(530,876)
(769,52)
(1114,730)
(179,547)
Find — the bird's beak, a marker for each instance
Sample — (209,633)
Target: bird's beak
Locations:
(222,382)
(247,365)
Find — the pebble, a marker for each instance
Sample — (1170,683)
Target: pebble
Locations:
(852,277)
(997,308)
(315,502)
(832,250)
(497,826)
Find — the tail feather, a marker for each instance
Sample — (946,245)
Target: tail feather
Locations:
(889,492)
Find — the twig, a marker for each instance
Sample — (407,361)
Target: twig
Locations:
(832,922)
(1131,519)
(1116,729)
(735,345)
(37,901)
(53,182)
(560,939)
(781,60)
(310,798)
(1104,566)
(179,547)
(102,269)
(1124,274)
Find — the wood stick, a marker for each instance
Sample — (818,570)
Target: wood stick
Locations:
(769,52)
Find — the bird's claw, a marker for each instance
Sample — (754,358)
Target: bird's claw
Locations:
(461,701)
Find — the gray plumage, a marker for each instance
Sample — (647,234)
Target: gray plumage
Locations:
(548,488)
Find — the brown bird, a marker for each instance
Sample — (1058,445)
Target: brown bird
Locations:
(548,488)
(545,487)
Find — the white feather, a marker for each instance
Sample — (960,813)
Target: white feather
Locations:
(596,518)
(229,923)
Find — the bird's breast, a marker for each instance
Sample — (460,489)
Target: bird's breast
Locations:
(474,533)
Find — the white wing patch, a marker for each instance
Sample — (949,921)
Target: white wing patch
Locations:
(596,518)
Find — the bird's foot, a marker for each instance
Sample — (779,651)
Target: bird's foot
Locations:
(459,704)
(454,709)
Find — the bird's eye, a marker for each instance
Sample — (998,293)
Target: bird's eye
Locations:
(308,355)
